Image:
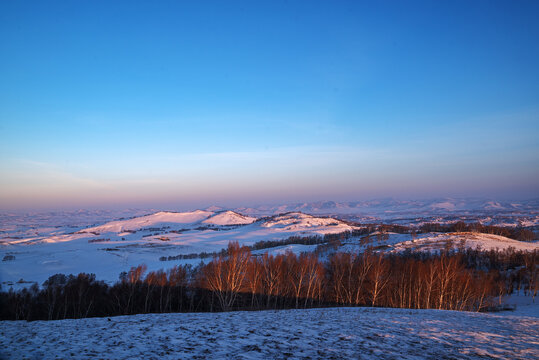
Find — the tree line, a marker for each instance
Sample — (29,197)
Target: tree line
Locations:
(454,280)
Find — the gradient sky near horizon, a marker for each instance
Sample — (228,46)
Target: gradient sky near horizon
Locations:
(170,103)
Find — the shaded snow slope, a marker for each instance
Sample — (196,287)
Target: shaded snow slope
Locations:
(337,333)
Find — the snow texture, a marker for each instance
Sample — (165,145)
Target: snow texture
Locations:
(336,333)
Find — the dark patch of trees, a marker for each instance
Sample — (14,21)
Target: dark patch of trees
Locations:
(200,255)
(101,240)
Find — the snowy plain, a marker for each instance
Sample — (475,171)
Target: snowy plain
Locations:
(332,333)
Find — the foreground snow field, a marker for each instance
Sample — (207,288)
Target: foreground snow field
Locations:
(336,333)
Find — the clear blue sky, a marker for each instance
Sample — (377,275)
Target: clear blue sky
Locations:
(110,103)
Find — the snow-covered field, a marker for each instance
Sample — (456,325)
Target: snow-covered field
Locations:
(336,333)
(44,247)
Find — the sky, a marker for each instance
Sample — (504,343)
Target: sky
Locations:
(188,104)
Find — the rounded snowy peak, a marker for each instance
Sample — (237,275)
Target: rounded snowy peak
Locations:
(229,218)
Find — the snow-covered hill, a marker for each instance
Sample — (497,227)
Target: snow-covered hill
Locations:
(173,224)
(169,219)
(334,333)
(34,253)
(159,219)
(229,218)
(297,221)
(115,246)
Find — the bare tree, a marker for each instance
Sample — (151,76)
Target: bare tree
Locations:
(225,275)
(379,277)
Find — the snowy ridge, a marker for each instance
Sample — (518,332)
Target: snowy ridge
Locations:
(161,218)
(167,218)
(193,220)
